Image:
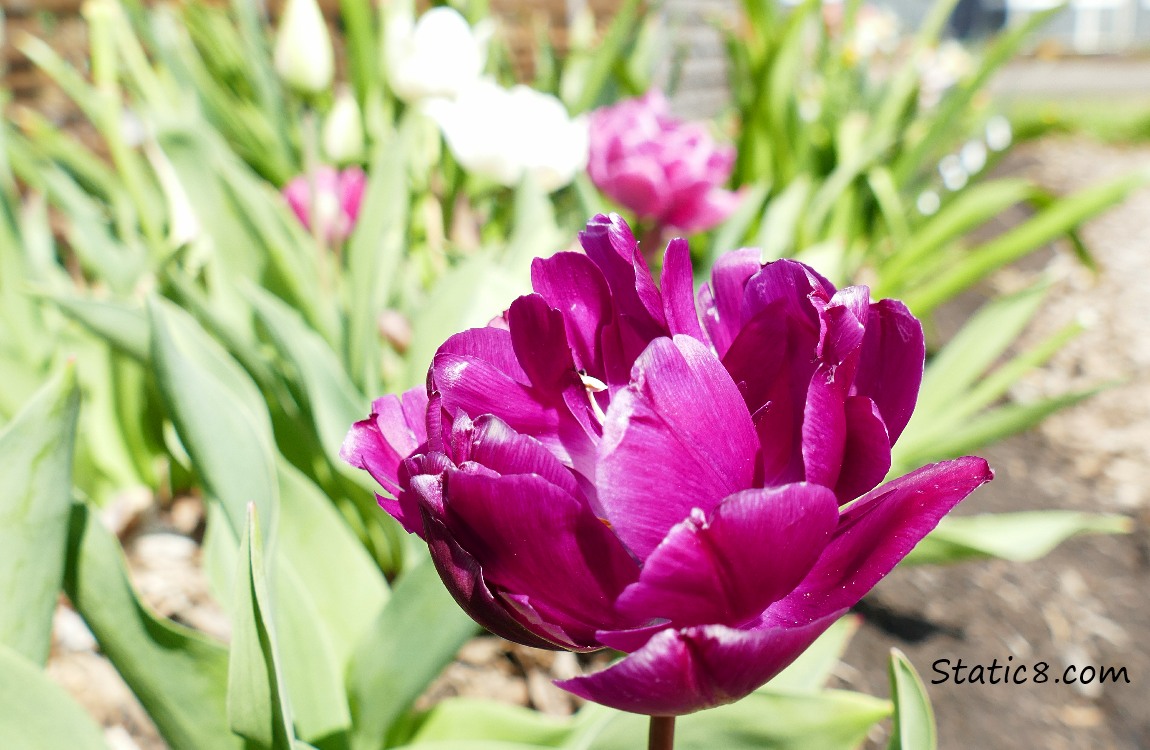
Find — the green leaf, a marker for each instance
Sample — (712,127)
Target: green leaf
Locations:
(809,673)
(37,713)
(611,48)
(976,346)
(830,720)
(333,399)
(35,498)
(1020,537)
(179,676)
(124,327)
(1048,225)
(332,566)
(258,708)
(416,635)
(779,229)
(375,250)
(472,719)
(218,412)
(729,236)
(913,727)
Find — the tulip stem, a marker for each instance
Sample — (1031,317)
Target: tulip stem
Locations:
(662,733)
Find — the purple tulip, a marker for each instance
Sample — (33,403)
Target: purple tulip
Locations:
(336,201)
(692,481)
(665,170)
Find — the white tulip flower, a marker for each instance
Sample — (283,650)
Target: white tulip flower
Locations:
(438,56)
(303,54)
(505,134)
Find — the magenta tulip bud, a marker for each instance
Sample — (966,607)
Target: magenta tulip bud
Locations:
(335,202)
(665,170)
(691,480)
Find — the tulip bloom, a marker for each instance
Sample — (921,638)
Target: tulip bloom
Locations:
(604,467)
(504,134)
(665,170)
(303,54)
(438,56)
(336,200)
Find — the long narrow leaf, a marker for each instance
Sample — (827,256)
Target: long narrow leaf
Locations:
(35,499)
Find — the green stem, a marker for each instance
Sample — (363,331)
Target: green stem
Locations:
(662,733)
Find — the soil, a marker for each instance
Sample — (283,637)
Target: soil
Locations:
(1083,605)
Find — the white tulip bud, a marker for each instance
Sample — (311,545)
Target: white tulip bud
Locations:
(303,52)
(343,130)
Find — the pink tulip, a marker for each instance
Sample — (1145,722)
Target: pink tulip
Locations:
(663,169)
(335,201)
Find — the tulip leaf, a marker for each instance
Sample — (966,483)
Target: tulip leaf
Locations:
(779,229)
(332,398)
(375,249)
(471,719)
(346,586)
(35,499)
(809,672)
(179,676)
(830,720)
(122,326)
(1048,225)
(37,713)
(311,671)
(219,414)
(258,707)
(1020,537)
(416,635)
(913,727)
(729,235)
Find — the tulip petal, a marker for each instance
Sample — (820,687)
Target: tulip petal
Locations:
(539,339)
(890,367)
(721,300)
(395,429)
(677,286)
(608,242)
(532,538)
(682,671)
(795,285)
(754,549)
(875,533)
(662,454)
(489,442)
(572,283)
(464,579)
(492,345)
(866,453)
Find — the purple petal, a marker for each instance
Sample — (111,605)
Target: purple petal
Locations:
(773,378)
(875,533)
(571,283)
(421,484)
(638,183)
(866,454)
(753,550)
(491,345)
(721,300)
(490,443)
(608,242)
(799,289)
(539,339)
(679,437)
(395,429)
(478,387)
(699,211)
(463,577)
(534,539)
(677,286)
(890,368)
(682,671)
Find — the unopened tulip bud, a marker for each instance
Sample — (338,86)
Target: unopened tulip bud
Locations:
(303,53)
(343,130)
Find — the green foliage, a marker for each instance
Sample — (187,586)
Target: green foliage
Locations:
(913,727)
(38,714)
(36,494)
